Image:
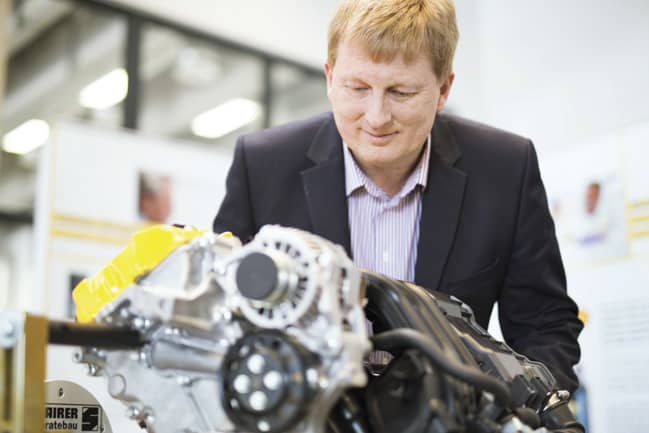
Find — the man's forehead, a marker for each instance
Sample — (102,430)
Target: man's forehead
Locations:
(385,54)
(357,55)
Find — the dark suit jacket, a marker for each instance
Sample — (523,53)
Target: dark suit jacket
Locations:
(486,234)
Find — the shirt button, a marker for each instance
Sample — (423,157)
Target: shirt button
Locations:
(386,256)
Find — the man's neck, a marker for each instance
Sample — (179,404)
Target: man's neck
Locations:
(393,178)
(390,180)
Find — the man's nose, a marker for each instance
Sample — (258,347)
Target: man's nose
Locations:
(378,112)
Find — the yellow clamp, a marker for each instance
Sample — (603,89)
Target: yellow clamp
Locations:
(144,252)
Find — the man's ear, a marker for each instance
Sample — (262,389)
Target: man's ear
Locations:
(444,91)
(329,74)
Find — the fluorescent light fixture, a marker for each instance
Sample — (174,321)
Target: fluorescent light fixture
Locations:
(26,137)
(225,118)
(109,90)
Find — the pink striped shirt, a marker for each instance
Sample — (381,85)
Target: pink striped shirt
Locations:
(385,230)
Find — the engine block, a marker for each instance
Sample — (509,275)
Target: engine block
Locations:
(272,336)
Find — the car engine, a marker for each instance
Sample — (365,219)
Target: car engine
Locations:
(275,336)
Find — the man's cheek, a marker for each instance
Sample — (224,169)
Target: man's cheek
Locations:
(349,110)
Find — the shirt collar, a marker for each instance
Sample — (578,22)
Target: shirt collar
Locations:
(355,178)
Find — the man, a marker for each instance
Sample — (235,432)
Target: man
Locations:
(454,205)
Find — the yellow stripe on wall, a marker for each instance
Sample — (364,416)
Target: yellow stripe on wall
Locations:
(89,237)
(92,229)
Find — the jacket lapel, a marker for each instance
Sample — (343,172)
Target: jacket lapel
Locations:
(441,207)
(324,186)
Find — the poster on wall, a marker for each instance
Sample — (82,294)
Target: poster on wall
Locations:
(586,197)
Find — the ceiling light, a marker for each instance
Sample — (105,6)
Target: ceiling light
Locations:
(109,90)
(26,137)
(225,118)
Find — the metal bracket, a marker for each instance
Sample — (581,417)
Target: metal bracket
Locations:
(23,345)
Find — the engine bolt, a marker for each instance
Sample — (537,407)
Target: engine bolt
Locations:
(258,400)
(272,380)
(256,363)
(133,412)
(242,384)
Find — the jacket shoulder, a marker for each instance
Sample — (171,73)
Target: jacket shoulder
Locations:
(478,137)
(487,149)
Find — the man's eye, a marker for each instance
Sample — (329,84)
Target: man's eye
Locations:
(402,94)
(356,88)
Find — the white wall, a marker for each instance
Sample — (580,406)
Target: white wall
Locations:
(559,72)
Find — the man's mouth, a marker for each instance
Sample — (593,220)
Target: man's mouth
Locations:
(379,135)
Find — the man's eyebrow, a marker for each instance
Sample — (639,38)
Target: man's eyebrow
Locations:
(414,87)
(410,87)
(406,87)
(352,78)
(353,82)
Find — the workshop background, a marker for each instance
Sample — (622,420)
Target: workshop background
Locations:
(118,113)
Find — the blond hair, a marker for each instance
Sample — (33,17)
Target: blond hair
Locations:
(389,27)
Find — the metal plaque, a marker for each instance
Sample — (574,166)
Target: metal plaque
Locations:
(71,408)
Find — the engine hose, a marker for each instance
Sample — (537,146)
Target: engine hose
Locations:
(404,338)
(91,335)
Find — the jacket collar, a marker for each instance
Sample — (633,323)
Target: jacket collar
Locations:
(444,143)
(441,206)
(327,143)
(324,186)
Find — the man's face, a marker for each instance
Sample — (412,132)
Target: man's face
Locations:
(592,198)
(384,111)
(156,207)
